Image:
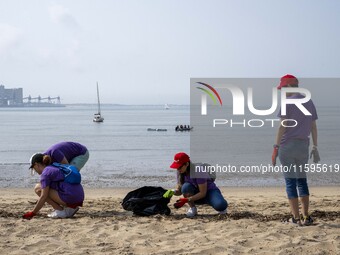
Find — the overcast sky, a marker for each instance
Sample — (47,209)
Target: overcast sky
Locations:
(145,52)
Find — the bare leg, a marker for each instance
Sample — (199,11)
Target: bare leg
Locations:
(37,189)
(54,204)
(53,198)
(294,207)
(305,205)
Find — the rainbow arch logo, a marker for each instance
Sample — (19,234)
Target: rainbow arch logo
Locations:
(211,92)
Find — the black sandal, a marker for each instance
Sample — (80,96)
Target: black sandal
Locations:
(294,221)
(307,221)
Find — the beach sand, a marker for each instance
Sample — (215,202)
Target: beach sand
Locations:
(253,226)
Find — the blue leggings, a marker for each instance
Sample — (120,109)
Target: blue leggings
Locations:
(213,197)
(80,160)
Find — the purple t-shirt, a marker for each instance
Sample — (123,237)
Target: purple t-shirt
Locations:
(70,193)
(205,178)
(304,126)
(69,150)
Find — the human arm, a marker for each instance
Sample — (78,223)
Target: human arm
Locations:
(315,153)
(42,199)
(170,192)
(280,133)
(276,146)
(201,193)
(40,203)
(314,132)
(57,155)
(177,190)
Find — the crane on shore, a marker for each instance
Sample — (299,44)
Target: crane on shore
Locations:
(40,99)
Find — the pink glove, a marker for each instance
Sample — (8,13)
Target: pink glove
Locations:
(28,215)
(180,202)
(275,154)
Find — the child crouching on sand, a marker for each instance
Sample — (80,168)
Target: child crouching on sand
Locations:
(64,197)
(201,190)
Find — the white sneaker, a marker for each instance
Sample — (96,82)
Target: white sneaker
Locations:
(192,212)
(70,211)
(57,214)
(222,212)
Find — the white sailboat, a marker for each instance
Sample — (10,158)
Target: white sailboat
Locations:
(97,116)
(166,107)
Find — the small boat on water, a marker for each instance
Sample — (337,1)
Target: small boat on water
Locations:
(166,107)
(97,116)
(183,128)
(157,129)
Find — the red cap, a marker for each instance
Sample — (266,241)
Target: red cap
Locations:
(179,160)
(286,80)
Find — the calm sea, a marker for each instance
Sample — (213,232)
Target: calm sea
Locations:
(124,154)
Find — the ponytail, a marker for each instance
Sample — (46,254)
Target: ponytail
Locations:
(47,160)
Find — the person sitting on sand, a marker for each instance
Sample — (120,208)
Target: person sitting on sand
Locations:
(62,196)
(71,153)
(201,190)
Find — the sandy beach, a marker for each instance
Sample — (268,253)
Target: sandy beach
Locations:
(253,226)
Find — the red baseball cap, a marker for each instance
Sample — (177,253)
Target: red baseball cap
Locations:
(286,80)
(179,160)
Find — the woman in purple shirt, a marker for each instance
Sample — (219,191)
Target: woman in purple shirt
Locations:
(71,153)
(202,190)
(63,197)
(292,148)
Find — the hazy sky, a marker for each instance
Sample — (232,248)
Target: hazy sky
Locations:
(145,52)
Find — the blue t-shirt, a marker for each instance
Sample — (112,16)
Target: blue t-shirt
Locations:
(70,193)
(304,122)
(69,150)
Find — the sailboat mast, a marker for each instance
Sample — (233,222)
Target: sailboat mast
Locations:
(98,99)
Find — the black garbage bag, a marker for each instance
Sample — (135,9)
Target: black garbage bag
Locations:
(146,201)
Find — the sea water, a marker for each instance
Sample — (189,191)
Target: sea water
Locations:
(123,153)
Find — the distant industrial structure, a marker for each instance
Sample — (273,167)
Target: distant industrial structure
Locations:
(10,96)
(14,98)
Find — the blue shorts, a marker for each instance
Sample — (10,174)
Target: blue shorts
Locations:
(294,155)
(296,187)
